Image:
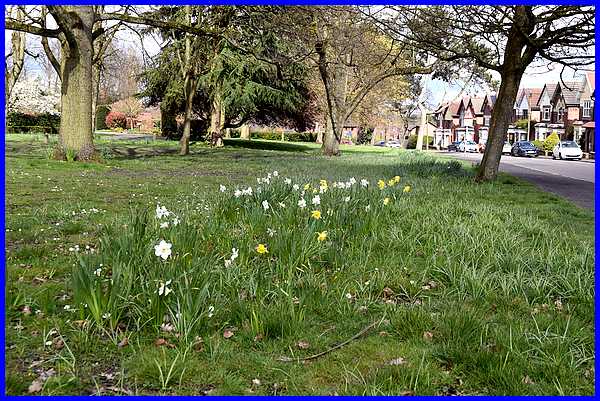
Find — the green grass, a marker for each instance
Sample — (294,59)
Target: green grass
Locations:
(492,285)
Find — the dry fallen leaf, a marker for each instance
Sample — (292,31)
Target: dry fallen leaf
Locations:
(35,386)
(161,341)
(123,343)
(26,310)
(407,392)
(383,334)
(397,362)
(227,333)
(58,343)
(198,344)
(303,344)
(258,338)
(428,335)
(255,382)
(387,292)
(558,304)
(527,380)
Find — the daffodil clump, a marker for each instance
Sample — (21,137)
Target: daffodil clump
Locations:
(192,269)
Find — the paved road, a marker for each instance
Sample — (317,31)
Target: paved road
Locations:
(570,179)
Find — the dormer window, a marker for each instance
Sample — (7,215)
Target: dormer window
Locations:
(546,113)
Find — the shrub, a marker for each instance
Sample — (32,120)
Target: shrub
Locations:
(412,141)
(550,142)
(23,122)
(364,136)
(116,119)
(538,144)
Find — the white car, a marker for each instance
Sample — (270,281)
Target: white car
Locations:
(469,145)
(567,150)
(507,148)
(393,144)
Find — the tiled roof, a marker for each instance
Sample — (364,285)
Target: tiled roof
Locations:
(477,103)
(550,88)
(571,91)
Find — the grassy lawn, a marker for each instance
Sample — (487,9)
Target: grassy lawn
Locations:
(449,288)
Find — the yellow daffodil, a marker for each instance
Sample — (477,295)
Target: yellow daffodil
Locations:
(381,184)
(323,183)
(315,214)
(306,187)
(261,248)
(322,236)
(386,201)
(406,189)
(315,191)
(391,183)
(397,179)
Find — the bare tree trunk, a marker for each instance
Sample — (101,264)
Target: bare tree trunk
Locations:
(187,121)
(76,84)
(95,95)
(503,108)
(331,143)
(11,75)
(217,119)
(245,134)
(423,126)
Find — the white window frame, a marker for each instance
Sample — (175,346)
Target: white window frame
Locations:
(587,108)
(546,109)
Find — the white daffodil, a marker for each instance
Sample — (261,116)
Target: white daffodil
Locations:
(295,187)
(211,311)
(98,272)
(364,183)
(271,232)
(347,199)
(302,203)
(316,200)
(234,254)
(275,173)
(222,188)
(176,221)
(164,225)
(281,204)
(352,180)
(237,193)
(163,249)
(265,204)
(164,289)
(288,181)
(161,212)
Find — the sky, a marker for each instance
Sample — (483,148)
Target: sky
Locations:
(439,91)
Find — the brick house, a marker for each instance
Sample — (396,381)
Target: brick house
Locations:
(547,122)
(526,108)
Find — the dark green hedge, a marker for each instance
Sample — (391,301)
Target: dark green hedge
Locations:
(289,136)
(22,122)
(101,113)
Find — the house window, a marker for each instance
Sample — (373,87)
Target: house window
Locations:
(525,113)
(486,120)
(561,112)
(546,116)
(587,108)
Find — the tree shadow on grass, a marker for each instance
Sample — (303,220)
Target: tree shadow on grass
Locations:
(269,145)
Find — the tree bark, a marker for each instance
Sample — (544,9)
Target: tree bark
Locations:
(423,126)
(76,84)
(217,119)
(11,75)
(245,132)
(331,142)
(95,95)
(514,64)
(190,89)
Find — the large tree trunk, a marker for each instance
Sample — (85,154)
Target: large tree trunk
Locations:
(513,67)
(217,119)
(503,108)
(187,121)
(331,142)
(76,85)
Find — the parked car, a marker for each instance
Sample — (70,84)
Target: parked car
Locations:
(524,148)
(453,147)
(379,143)
(507,148)
(468,146)
(567,150)
(393,144)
